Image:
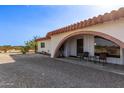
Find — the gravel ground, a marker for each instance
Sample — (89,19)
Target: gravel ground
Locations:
(35,70)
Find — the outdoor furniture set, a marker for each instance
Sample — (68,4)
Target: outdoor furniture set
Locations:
(102,58)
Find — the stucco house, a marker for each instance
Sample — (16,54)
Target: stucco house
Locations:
(104,33)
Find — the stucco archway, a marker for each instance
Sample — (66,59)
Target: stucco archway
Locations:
(111,38)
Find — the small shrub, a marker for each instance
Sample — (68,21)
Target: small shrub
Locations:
(24,49)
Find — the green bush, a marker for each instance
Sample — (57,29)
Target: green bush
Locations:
(24,49)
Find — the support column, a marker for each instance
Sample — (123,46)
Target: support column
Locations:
(89,44)
(66,49)
(122,56)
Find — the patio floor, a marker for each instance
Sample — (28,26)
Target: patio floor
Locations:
(114,68)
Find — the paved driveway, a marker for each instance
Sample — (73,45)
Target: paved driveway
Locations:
(40,71)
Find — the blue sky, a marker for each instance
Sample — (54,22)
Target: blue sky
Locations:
(21,23)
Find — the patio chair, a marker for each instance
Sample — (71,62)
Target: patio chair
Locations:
(103,58)
(84,55)
(80,56)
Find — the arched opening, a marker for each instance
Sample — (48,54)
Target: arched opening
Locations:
(71,46)
(92,34)
(103,45)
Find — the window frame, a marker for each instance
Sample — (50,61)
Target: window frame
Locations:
(42,44)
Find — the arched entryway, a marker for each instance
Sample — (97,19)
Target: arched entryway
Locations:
(90,33)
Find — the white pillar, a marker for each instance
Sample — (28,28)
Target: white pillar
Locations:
(89,44)
(66,49)
(122,56)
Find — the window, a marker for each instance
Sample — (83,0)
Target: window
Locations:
(106,46)
(42,45)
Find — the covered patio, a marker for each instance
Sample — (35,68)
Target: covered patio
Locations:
(92,48)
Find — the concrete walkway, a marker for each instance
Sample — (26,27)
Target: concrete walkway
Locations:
(114,68)
(6,58)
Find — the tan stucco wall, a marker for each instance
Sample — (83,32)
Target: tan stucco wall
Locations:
(47,46)
(112,28)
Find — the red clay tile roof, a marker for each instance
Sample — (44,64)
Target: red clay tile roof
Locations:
(113,15)
(43,38)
